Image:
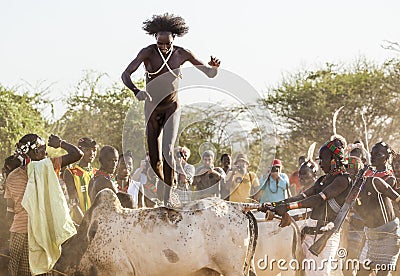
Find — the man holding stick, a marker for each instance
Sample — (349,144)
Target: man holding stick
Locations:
(325,198)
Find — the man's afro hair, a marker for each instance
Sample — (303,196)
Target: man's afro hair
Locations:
(166,23)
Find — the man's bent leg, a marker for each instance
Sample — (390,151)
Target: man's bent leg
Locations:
(154,138)
(170,133)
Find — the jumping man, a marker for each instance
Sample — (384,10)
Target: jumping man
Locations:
(162,61)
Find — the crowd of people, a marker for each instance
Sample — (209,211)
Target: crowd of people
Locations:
(373,233)
(375,213)
(165,176)
(79,181)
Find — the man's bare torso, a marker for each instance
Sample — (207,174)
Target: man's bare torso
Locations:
(163,86)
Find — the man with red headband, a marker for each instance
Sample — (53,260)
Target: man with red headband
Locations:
(325,198)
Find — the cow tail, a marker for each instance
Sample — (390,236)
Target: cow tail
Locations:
(253,231)
(297,250)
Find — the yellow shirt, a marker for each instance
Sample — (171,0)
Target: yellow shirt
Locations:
(81,180)
(241,187)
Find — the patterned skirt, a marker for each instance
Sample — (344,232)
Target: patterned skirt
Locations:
(19,253)
(383,243)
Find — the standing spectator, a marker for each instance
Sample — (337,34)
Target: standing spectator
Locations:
(208,177)
(226,161)
(138,179)
(140,174)
(294,180)
(7,212)
(104,177)
(10,163)
(185,173)
(242,183)
(77,179)
(124,170)
(30,147)
(276,186)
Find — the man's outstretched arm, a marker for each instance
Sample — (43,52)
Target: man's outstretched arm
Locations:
(212,71)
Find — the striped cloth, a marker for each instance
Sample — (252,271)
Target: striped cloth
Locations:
(15,189)
(383,243)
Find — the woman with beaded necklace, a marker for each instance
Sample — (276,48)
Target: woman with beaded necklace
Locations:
(375,208)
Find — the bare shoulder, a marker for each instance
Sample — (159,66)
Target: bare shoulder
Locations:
(183,52)
(147,51)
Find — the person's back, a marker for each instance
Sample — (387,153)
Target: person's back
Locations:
(7,208)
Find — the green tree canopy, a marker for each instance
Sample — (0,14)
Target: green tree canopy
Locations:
(99,112)
(19,115)
(306,101)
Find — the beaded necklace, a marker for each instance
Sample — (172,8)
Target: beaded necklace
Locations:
(108,176)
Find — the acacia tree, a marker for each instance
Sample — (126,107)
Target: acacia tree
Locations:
(99,111)
(227,129)
(19,115)
(305,103)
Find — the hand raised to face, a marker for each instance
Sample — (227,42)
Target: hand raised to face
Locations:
(54,141)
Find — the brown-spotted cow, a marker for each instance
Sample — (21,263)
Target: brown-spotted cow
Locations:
(204,237)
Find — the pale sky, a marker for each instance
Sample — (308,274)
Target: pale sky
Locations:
(55,41)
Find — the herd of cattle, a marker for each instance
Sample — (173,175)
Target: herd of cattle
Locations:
(206,237)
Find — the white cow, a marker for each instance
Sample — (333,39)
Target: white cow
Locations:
(206,235)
